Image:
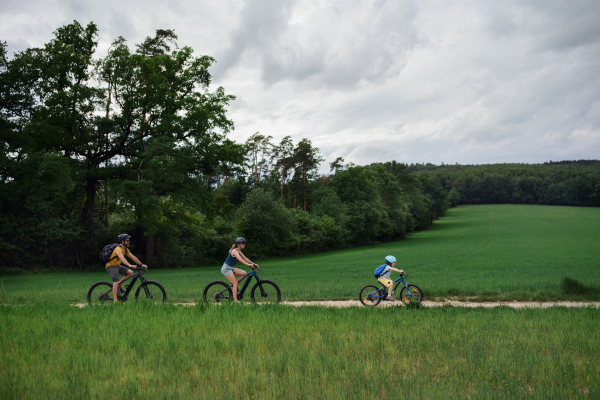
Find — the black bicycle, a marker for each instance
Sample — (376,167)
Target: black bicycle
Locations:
(148,291)
(264,291)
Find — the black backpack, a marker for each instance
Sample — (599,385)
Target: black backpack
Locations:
(106,252)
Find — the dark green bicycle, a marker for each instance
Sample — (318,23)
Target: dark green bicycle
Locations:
(264,291)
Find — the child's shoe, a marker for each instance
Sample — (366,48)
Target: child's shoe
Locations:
(390,298)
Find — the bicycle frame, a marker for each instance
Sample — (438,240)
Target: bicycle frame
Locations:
(240,294)
(133,279)
(394,287)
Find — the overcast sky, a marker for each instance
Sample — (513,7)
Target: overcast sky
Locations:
(472,82)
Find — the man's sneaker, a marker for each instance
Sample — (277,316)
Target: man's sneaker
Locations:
(390,298)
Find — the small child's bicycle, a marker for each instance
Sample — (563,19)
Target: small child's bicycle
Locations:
(371,296)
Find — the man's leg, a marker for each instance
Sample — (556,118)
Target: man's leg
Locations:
(115,297)
(129,273)
(114,276)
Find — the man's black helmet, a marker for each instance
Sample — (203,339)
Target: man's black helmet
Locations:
(122,237)
(240,240)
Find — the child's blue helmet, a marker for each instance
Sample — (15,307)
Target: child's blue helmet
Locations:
(390,259)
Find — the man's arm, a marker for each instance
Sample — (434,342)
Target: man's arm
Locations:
(135,260)
(123,260)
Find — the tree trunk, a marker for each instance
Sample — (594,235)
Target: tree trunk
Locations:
(88,212)
(150,248)
(282,178)
(106,198)
(304,186)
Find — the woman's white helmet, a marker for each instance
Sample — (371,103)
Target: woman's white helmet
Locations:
(390,259)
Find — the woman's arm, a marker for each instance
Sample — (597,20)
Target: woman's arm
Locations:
(241,257)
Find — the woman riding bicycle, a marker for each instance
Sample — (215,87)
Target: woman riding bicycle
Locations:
(229,270)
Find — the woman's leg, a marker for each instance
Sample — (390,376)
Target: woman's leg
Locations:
(234,282)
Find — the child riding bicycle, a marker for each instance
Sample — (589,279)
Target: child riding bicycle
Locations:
(383,272)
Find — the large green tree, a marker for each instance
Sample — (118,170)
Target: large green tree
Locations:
(145,121)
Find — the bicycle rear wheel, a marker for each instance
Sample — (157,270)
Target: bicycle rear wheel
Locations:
(150,292)
(100,293)
(265,292)
(217,292)
(413,294)
(369,296)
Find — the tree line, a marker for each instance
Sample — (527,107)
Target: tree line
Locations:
(135,141)
(570,183)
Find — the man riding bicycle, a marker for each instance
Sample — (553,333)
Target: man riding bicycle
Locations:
(114,268)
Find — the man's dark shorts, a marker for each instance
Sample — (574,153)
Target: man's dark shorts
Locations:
(115,270)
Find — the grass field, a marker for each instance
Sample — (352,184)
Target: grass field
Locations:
(279,352)
(51,349)
(490,252)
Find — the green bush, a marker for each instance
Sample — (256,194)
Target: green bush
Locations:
(572,286)
(265,222)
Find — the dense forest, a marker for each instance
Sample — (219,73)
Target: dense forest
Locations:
(570,183)
(136,142)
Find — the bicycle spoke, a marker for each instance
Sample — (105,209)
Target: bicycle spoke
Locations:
(369,296)
(217,293)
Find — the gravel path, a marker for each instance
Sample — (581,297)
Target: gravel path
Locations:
(427,303)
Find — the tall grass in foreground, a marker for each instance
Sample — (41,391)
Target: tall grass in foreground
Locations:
(279,352)
(493,252)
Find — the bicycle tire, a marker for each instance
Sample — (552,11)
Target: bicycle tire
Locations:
(416,294)
(153,292)
(100,293)
(366,297)
(268,292)
(213,293)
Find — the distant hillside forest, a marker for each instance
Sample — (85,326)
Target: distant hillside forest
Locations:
(568,183)
(136,142)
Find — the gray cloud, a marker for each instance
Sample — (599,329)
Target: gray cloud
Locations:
(323,44)
(451,81)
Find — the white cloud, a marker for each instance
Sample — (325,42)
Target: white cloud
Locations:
(451,81)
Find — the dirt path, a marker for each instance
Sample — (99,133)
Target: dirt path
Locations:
(427,303)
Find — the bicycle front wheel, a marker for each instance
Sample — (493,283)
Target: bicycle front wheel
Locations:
(150,292)
(369,296)
(265,292)
(100,293)
(413,294)
(217,292)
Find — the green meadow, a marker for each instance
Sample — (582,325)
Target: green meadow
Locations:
(486,252)
(51,349)
(167,351)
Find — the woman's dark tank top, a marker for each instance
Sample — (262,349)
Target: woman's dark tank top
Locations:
(231,260)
